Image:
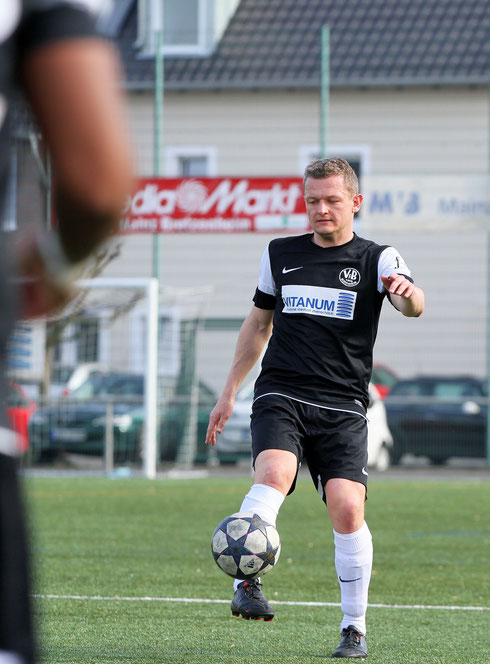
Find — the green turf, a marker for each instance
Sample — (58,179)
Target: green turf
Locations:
(138,538)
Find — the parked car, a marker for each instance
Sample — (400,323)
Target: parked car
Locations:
(383,378)
(80,374)
(173,421)
(64,379)
(438,417)
(235,441)
(78,424)
(19,411)
(60,375)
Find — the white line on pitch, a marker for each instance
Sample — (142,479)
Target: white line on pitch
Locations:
(189,600)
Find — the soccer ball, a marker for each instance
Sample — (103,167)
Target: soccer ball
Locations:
(245,547)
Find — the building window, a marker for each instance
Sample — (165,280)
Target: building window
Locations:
(181,24)
(80,342)
(190,27)
(88,340)
(188,161)
(193,166)
(358,156)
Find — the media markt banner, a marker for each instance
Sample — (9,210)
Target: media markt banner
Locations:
(215,205)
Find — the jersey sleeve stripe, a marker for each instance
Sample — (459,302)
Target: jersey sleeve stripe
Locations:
(390,261)
(263,300)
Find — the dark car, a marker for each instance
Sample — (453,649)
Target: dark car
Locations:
(175,433)
(438,417)
(78,425)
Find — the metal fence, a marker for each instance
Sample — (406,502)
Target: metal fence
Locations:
(206,286)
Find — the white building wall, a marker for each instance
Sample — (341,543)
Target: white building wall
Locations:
(416,131)
(140,118)
(410,130)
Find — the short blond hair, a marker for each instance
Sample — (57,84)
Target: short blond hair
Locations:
(323,168)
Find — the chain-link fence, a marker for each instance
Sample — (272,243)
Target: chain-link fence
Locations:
(437,409)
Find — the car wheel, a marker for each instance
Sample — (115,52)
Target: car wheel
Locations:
(227,460)
(438,461)
(135,453)
(395,456)
(382,462)
(43,456)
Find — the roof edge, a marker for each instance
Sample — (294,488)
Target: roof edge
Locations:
(184,86)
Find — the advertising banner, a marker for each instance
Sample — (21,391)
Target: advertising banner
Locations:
(215,205)
(276,204)
(426,202)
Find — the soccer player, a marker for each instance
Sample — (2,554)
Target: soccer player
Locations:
(70,76)
(318,303)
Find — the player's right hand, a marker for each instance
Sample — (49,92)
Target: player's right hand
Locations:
(218,417)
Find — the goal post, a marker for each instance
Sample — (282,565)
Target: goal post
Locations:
(116,377)
(150,407)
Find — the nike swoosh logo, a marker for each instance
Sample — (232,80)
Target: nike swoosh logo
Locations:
(348,580)
(363,471)
(291,269)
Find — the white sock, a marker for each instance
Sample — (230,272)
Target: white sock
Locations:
(265,501)
(353,562)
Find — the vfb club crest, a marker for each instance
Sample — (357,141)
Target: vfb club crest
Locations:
(350,277)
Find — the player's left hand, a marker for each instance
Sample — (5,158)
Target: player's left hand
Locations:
(397,284)
(40,295)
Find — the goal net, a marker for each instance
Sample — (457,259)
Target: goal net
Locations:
(114,376)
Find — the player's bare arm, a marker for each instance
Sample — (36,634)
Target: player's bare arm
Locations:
(73,89)
(404,295)
(254,334)
(72,86)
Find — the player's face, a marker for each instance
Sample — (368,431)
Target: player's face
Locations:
(330,208)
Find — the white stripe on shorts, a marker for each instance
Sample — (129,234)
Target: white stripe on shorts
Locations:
(308,403)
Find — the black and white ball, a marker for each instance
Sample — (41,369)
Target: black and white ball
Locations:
(245,547)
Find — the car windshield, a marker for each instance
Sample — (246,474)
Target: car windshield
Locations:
(442,389)
(61,374)
(457,389)
(410,388)
(110,385)
(383,376)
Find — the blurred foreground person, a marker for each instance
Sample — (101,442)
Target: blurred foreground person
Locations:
(50,51)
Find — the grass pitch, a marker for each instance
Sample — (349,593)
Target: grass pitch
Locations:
(109,555)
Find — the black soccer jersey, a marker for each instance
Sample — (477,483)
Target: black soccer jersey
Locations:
(327,303)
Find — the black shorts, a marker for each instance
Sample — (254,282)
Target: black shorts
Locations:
(332,442)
